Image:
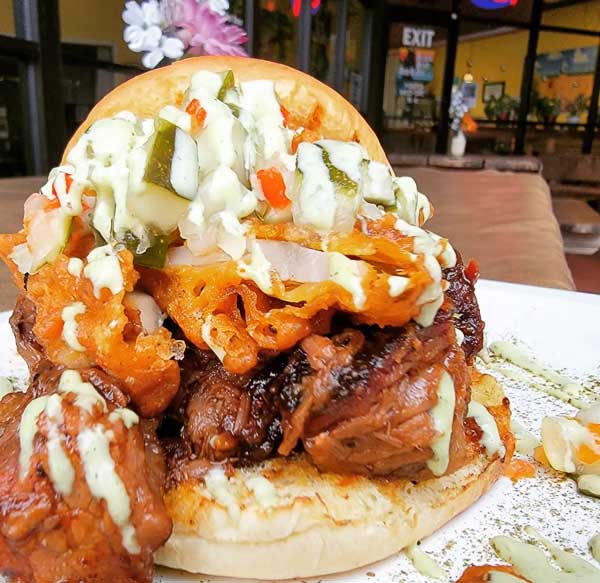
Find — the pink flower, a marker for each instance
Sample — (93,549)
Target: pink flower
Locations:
(207,32)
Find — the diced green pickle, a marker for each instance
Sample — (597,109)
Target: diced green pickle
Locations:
(158,166)
(228,83)
(154,256)
(342,181)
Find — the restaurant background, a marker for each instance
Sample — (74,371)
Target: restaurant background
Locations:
(532,68)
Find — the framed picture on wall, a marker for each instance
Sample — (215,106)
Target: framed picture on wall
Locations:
(493,89)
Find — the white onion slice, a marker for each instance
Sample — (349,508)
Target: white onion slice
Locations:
(151,316)
(183,256)
(293,262)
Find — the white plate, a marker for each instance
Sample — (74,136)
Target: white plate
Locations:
(563,330)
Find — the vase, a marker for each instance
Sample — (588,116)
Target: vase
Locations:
(458,143)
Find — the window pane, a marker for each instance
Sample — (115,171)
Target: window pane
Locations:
(506,10)
(7,21)
(493,56)
(583,15)
(353,75)
(12,132)
(413,87)
(277,32)
(323,41)
(562,86)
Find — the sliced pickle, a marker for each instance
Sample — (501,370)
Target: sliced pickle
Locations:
(158,166)
(228,83)
(154,256)
(344,184)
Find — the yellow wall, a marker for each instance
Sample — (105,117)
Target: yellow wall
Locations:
(7,23)
(85,21)
(96,22)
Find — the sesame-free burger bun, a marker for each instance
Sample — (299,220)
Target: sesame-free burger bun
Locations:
(146,94)
(284,519)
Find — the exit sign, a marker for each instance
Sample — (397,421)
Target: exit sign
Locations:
(417,37)
(494,4)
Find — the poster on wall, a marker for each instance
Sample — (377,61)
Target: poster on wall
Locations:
(415,71)
(581,61)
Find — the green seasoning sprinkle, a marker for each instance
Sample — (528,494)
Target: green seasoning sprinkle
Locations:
(344,183)
(158,167)
(228,83)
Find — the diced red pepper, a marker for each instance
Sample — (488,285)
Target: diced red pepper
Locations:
(273,187)
(285,114)
(472,271)
(198,114)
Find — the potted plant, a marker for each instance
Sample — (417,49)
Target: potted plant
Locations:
(546,109)
(576,107)
(502,109)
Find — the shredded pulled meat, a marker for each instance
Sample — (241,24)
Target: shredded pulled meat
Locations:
(46,536)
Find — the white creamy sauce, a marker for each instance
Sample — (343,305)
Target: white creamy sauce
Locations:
(70,328)
(104,482)
(442,414)
(547,389)
(263,490)
(218,487)
(257,268)
(75,266)
(87,398)
(6,387)
(315,202)
(346,156)
(61,471)
(531,562)
(27,430)
(126,416)
(377,184)
(397,285)
(263,118)
(348,274)
(423,563)
(410,202)
(177,117)
(516,356)
(184,165)
(490,440)
(104,270)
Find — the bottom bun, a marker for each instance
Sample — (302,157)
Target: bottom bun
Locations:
(284,519)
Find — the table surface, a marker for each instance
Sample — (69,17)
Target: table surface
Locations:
(503,219)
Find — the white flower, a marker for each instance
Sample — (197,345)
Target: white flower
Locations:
(143,32)
(219,6)
(169,47)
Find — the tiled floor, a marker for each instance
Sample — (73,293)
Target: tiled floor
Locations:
(586,271)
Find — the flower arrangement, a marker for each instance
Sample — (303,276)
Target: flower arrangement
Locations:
(461,121)
(168,29)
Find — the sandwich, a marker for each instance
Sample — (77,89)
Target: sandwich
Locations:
(248,356)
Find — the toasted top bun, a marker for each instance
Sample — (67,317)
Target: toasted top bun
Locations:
(145,95)
(285,519)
